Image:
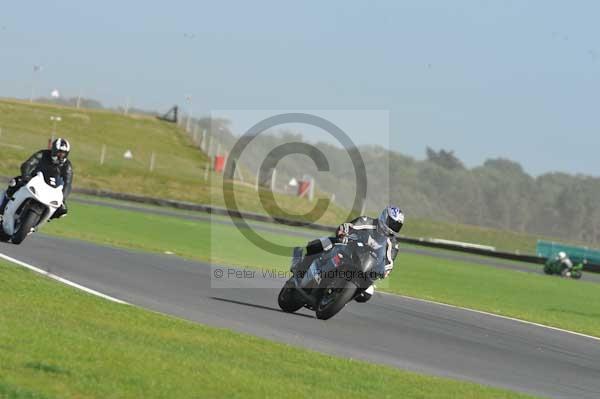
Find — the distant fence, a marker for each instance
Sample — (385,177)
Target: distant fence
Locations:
(112,154)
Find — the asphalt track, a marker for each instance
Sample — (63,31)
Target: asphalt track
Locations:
(400,332)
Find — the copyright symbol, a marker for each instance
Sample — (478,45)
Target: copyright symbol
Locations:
(218,273)
(278,153)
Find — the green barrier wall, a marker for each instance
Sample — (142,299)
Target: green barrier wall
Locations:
(548,249)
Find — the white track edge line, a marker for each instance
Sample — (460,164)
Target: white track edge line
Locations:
(492,314)
(62,280)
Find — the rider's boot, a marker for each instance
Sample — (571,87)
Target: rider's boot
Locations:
(296,257)
(314,248)
(366,295)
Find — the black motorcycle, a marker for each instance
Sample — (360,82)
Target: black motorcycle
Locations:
(333,279)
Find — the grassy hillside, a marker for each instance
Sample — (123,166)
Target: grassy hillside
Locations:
(179,167)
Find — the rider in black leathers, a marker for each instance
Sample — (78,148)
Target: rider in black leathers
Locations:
(55,159)
(389,223)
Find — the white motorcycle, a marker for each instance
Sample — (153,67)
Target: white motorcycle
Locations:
(31,207)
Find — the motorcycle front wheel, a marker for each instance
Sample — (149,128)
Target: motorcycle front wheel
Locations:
(289,298)
(28,222)
(336,293)
(3,236)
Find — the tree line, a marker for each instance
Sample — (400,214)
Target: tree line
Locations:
(498,194)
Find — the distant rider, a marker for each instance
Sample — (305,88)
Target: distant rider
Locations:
(56,158)
(389,224)
(563,264)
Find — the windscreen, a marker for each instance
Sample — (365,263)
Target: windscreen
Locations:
(52,176)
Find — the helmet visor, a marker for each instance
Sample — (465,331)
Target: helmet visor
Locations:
(61,155)
(394,225)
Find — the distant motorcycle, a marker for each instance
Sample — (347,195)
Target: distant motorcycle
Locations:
(31,207)
(557,268)
(333,279)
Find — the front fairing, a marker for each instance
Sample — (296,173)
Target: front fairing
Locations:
(361,258)
(35,190)
(45,193)
(369,253)
(322,265)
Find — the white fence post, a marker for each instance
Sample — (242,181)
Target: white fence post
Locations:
(188,124)
(208,148)
(102,154)
(152,160)
(257,175)
(273,177)
(236,170)
(196,134)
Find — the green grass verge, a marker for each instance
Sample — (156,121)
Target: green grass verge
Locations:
(415,227)
(56,342)
(569,304)
(500,239)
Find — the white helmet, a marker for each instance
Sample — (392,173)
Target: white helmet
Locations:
(562,255)
(60,151)
(391,221)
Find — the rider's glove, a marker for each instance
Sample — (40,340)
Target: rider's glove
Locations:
(343,230)
(60,212)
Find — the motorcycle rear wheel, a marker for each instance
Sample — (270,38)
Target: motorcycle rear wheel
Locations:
(335,295)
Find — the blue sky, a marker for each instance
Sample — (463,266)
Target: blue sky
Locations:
(514,79)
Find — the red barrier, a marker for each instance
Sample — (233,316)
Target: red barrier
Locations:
(219,164)
(303,187)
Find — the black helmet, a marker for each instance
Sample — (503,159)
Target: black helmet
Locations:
(60,151)
(391,221)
